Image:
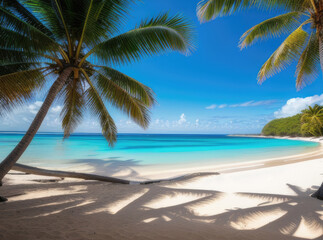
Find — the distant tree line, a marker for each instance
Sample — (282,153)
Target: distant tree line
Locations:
(309,123)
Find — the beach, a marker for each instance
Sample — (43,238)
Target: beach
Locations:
(120,120)
(270,200)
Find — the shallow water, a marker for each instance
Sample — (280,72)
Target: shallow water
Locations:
(149,149)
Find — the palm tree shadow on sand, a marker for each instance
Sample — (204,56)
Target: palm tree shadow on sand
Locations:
(110,208)
(112,166)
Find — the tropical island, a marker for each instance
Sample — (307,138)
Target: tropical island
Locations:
(120,119)
(306,124)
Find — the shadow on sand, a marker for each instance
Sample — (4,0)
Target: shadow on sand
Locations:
(112,166)
(93,210)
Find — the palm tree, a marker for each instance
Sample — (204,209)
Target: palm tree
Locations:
(73,46)
(312,120)
(302,21)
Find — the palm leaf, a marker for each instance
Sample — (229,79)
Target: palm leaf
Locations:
(151,37)
(17,8)
(47,12)
(72,112)
(15,41)
(130,85)
(287,52)
(123,100)
(12,67)
(272,27)
(96,105)
(17,88)
(85,29)
(308,66)
(7,56)
(106,19)
(15,24)
(210,9)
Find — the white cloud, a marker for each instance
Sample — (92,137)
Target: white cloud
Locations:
(213,106)
(223,105)
(244,104)
(254,103)
(34,107)
(197,121)
(182,119)
(56,109)
(296,105)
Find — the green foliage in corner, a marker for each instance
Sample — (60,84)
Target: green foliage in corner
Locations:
(290,126)
(307,124)
(312,121)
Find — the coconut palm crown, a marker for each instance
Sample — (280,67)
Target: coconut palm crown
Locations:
(73,46)
(302,21)
(312,118)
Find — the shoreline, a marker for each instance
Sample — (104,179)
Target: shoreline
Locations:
(163,173)
(308,139)
(152,174)
(156,173)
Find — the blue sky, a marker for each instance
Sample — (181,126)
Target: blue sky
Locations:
(214,90)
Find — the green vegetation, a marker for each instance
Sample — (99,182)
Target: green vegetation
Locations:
(312,121)
(302,22)
(290,126)
(308,123)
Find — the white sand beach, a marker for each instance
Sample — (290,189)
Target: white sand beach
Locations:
(267,201)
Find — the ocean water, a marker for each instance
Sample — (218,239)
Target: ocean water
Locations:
(148,150)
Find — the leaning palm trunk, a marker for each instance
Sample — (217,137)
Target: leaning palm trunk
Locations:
(86,176)
(64,174)
(13,157)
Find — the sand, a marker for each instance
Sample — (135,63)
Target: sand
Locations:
(264,202)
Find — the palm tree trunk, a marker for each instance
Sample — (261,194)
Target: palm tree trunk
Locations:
(319,193)
(86,176)
(64,174)
(16,153)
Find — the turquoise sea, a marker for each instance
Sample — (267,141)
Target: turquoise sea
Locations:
(48,149)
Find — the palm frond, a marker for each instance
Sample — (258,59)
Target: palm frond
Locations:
(72,112)
(152,37)
(210,9)
(272,27)
(123,100)
(106,19)
(84,30)
(47,12)
(19,26)
(96,105)
(17,8)
(287,52)
(15,41)
(18,87)
(7,56)
(61,19)
(135,88)
(308,66)
(12,67)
